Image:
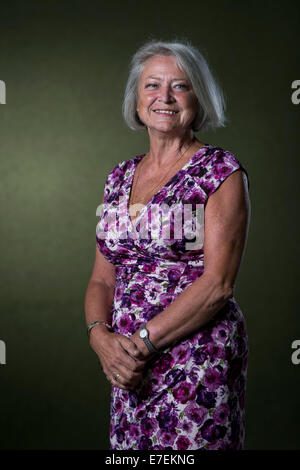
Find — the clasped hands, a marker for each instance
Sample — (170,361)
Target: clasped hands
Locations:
(122,359)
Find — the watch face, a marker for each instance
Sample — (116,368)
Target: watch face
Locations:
(143,333)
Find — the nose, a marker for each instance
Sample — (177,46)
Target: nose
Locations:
(166,95)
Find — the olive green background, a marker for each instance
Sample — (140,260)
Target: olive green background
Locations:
(65,65)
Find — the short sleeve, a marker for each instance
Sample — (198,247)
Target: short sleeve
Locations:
(108,185)
(114,179)
(220,165)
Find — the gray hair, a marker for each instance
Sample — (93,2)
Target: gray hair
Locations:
(211,102)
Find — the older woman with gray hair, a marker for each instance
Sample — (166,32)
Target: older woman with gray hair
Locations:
(160,307)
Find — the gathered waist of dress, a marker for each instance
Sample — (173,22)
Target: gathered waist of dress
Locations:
(159,268)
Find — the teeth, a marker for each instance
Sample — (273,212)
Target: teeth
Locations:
(166,112)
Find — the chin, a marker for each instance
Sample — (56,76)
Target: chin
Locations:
(164,128)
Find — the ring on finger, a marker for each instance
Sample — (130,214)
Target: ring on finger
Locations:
(116,376)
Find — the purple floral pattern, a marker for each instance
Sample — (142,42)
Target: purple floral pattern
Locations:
(192,395)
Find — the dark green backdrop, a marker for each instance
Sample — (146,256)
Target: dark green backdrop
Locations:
(65,66)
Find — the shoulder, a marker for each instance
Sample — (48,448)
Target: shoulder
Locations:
(116,177)
(218,164)
(120,169)
(217,157)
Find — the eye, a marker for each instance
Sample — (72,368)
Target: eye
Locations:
(181,85)
(150,85)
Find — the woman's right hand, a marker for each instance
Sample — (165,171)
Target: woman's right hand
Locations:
(117,355)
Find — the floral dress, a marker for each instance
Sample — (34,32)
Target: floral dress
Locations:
(192,395)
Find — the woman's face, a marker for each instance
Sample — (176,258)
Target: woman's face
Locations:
(163,86)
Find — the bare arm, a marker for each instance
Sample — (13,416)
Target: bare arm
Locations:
(117,353)
(227,216)
(100,293)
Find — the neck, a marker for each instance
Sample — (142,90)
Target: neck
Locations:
(165,148)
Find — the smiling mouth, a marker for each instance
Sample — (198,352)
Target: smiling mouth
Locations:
(165,111)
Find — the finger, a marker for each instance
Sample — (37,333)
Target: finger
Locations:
(128,377)
(117,383)
(130,347)
(137,355)
(118,356)
(132,363)
(127,360)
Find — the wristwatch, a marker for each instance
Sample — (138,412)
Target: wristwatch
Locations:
(144,335)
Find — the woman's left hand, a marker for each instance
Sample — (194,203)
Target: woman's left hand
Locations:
(144,353)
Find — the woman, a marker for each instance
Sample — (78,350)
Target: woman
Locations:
(169,334)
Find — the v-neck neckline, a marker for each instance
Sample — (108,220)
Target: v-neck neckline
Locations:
(136,160)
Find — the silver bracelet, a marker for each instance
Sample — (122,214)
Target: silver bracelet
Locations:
(94,323)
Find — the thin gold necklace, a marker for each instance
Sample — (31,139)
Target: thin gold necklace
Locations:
(154,188)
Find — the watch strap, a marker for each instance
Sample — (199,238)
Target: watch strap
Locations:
(149,345)
(147,341)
